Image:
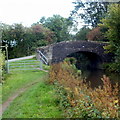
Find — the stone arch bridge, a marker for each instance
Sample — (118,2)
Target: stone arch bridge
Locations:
(57,52)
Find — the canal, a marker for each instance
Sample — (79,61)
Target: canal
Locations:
(94,77)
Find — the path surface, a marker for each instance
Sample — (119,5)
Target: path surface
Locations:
(22,58)
(4,106)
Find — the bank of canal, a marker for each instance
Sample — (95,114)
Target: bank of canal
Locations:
(94,77)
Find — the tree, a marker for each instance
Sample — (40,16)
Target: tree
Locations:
(90,12)
(82,34)
(13,36)
(43,35)
(23,41)
(59,25)
(112,22)
(96,34)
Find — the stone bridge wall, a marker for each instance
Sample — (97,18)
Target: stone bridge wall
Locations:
(59,51)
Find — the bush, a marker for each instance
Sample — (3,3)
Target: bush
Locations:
(81,101)
(2,62)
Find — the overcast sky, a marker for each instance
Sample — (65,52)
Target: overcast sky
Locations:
(30,11)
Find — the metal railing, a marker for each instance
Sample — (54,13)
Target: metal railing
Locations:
(24,65)
(42,57)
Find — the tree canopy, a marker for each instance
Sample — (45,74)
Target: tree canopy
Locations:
(90,12)
(17,36)
(82,33)
(23,41)
(59,25)
(112,22)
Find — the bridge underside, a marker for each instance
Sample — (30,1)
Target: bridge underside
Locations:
(86,60)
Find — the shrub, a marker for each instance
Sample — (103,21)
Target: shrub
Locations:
(83,101)
(1,64)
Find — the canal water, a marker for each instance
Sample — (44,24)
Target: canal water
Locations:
(94,77)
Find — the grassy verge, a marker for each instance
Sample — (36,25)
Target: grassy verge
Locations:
(39,101)
(17,80)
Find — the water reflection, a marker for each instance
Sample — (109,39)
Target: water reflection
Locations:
(94,77)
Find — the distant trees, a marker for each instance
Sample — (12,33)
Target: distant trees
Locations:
(23,41)
(13,36)
(82,33)
(59,25)
(97,34)
(90,12)
(94,34)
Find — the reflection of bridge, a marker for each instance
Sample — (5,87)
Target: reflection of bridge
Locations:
(59,51)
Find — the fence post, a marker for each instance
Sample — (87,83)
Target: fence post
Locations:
(6,47)
(41,65)
(8,67)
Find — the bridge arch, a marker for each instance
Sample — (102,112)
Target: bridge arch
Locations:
(57,52)
(86,60)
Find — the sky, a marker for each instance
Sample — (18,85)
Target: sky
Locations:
(28,12)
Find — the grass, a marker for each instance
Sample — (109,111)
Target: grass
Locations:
(38,101)
(17,80)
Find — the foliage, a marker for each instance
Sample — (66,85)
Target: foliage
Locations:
(112,22)
(17,36)
(90,12)
(59,25)
(43,32)
(2,62)
(83,101)
(111,67)
(12,35)
(47,31)
(82,33)
(96,35)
